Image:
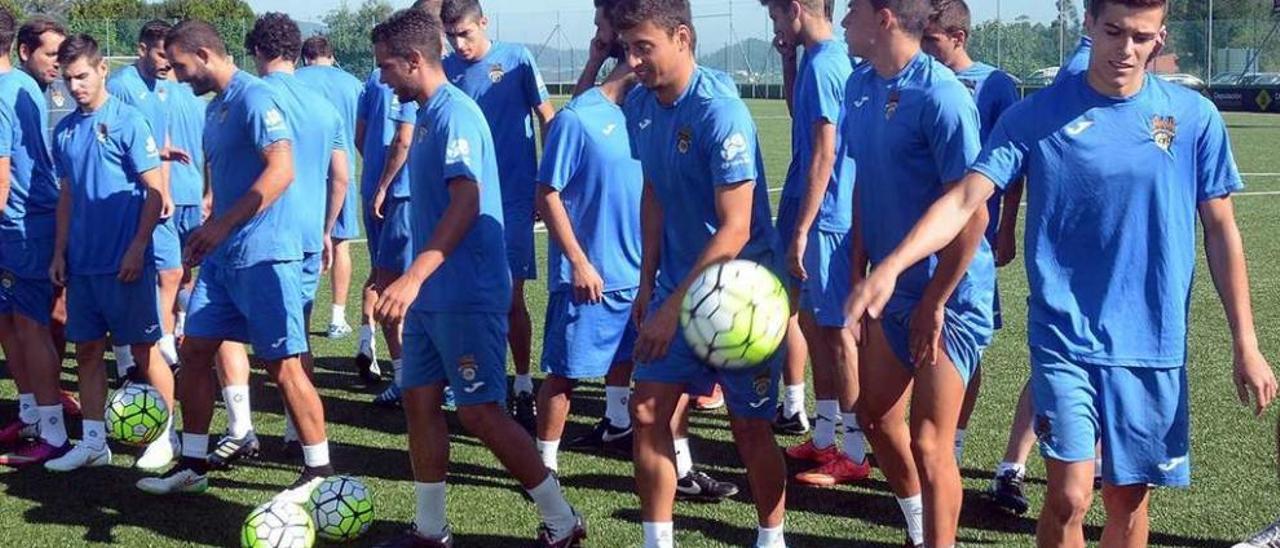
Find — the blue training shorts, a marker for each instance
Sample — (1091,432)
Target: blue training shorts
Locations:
(260,304)
(517,224)
(25,288)
(960,341)
(167,245)
(395,237)
(582,341)
(100,304)
(466,350)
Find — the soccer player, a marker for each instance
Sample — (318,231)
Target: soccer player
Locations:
(185,120)
(250,288)
(454,298)
(110,170)
(1119,164)
(505,81)
(912,130)
(994,91)
(342,90)
(704,201)
(814,220)
(26,243)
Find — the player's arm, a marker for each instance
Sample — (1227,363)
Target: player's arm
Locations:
(787,51)
(821,165)
(651,218)
(1007,230)
(545,113)
(953,262)
(133,263)
(339,181)
(277,174)
(596,57)
(360,129)
(5,166)
(397,155)
(588,286)
(62,230)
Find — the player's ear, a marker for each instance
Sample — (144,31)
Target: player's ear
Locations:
(483,22)
(142,49)
(684,37)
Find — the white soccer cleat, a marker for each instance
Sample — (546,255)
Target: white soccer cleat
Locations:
(157,455)
(1266,538)
(300,492)
(80,456)
(179,479)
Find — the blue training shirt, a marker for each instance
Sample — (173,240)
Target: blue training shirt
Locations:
(451,140)
(588,161)
(381,111)
(705,140)
(818,97)
(186,132)
(507,85)
(243,120)
(343,92)
(1078,63)
(317,130)
(149,96)
(101,155)
(911,136)
(33,185)
(1113,186)
(994,91)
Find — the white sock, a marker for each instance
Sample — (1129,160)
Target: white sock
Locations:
(429,518)
(95,434)
(549,450)
(1097,466)
(168,347)
(290,429)
(367,340)
(124,359)
(180,325)
(395,367)
(195,446)
(658,534)
(239,419)
(913,511)
(27,412)
(316,455)
(855,443)
(769,537)
(824,426)
(793,400)
(338,315)
(684,459)
(616,399)
(1006,466)
(53,429)
(523,384)
(554,509)
(184,299)
(959,445)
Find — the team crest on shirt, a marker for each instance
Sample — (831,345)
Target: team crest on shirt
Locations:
(468,370)
(496,73)
(58,98)
(102,133)
(1163,131)
(891,106)
(162,94)
(152,150)
(684,139)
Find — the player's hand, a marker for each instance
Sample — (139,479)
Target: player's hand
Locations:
(206,208)
(394,301)
(131,264)
(167,207)
(58,270)
(600,48)
(326,255)
(1006,248)
(785,48)
(172,154)
(588,286)
(640,306)
(657,331)
(379,198)
(1253,377)
(795,258)
(925,333)
(869,297)
(203,241)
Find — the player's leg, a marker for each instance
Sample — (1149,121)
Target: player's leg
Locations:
(691,482)
(751,397)
(25,425)
(43,369)
(1128,524)
(340,280)
(58,323)
(886,384)
(393,333)
(821,448)
(312,265)
(522,406)
(170,282)
(792,417)
(971,393)
(936,398)
(366,354)
(553,400)
(653,407)
(1007,482)
(1066,501)
(1068,425)
(92,451)
(429,457)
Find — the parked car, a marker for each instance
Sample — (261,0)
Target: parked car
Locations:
(1226,79)
(1185,80)
(1041,77)
(1261,79)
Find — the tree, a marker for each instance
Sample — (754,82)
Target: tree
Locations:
(349,33)
(232,18)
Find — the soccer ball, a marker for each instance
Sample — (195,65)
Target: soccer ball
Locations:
(342,508)
(136,414)
(278,524)
(735,314)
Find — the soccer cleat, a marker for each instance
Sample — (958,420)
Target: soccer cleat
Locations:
(36,451)
(300,491)
(795,425)
(604,436)
(450,402)
(17,431)
(70,405)
(292,449)
(188,476)
(807,451)
(1266,538)
(411,539)
(837,471)
(699,486)
(1006,492)
(712,401)
(523,409)
(367,367)
(338,330)
(157,455)
(230,450)
(573,538)
(388,398)
(80,456)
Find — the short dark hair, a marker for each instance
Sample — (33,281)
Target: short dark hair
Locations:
(812,5)
(407,31)
(951,16)
(31,31)
(316,47)
(432,7)
(80,46)
(913,15)
(194,34)
(453,12)
(8,28)
(665,14)
(153,32)
(1095,6)
(275,36)
(606,4)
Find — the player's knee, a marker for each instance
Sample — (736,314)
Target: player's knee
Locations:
(1069,504)
(556,385)
(1124,500)
(751,430)
(481,420)
(644,416)
(929,451)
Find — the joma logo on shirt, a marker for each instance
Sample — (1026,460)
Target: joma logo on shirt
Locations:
(734,147)
(273,119)
(458,149)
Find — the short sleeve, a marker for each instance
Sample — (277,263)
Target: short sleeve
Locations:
(830,92)
(338,135)
(266,120)
(139,144)
(1003,159)
(952,125)
(404,113)
(1216,172)
(464,147)
(8,125)
(563,152)
(729,143)
(535,90)
(118,90)
(1006,93)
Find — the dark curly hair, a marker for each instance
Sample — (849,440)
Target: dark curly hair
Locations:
(665,14)
(407,31)
(275,36)
(153,32)
(8,29)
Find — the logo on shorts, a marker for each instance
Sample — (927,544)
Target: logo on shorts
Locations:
(496,73)
(1163,130)
(468,370)
(152,329)
(7,279)
(684,139)
(1044,429)
(761,384)
(891,106)
(1172,464)
(280,342)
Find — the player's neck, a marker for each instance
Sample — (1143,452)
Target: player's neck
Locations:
(961,62)
(432,82)
(1122,91)
(815,32)
(96,103)
(277,65)
(619,82)
(5,64)
(482,49)
(222,74)
(894,54)
(148,77)
(321,62)
(668,94)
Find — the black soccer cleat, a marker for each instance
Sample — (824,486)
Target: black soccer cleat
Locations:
(604,436)
(231,450)
(1006,492)
(524,410)
(699,486)
(795,425)
(368,369)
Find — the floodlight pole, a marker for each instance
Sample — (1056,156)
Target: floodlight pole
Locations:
(1209,47)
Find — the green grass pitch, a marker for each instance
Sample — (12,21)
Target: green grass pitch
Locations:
(1234,487)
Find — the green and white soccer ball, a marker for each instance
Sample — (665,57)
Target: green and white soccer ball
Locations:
(735,314)
(136,414)
(278,524)
(342,508)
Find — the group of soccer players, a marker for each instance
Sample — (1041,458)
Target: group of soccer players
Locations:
(900,200)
